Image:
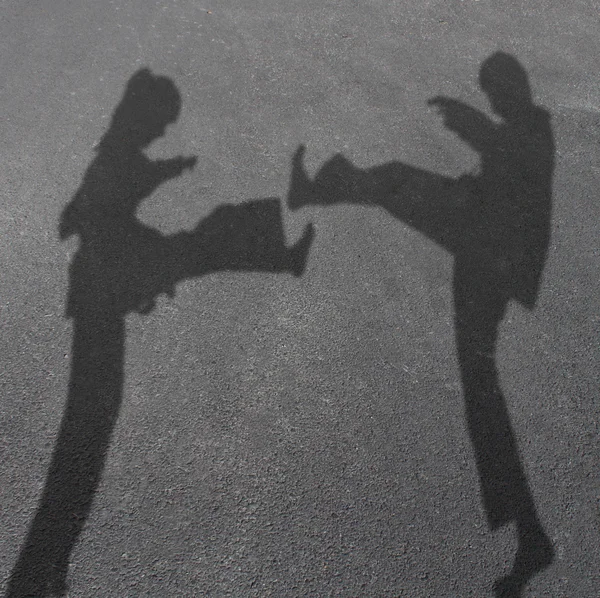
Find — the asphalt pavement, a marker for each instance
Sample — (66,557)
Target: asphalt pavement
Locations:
(299,298)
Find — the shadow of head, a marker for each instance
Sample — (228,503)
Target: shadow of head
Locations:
(505,81)
(150,103)
(121,175)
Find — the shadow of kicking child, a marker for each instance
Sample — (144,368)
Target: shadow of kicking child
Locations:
(496,224)
(120,267)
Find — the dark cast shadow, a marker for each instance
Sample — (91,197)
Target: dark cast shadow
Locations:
(496,224)
(121,267)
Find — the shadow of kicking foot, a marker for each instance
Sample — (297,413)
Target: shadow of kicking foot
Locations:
(301,187)
(299,252)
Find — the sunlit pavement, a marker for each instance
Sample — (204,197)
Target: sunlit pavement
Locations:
(293,414)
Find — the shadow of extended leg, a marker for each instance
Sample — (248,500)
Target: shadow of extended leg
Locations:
(430,203)
(248,237)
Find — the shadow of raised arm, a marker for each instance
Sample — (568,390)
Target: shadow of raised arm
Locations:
(172,168)
(471,125)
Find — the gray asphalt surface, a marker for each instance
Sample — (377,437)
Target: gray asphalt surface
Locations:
(282,435)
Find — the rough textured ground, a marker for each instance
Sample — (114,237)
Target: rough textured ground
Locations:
(299,436)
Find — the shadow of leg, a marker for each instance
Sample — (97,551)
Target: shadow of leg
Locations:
(78,460)
(248,237)
(480,305)
(433,204)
